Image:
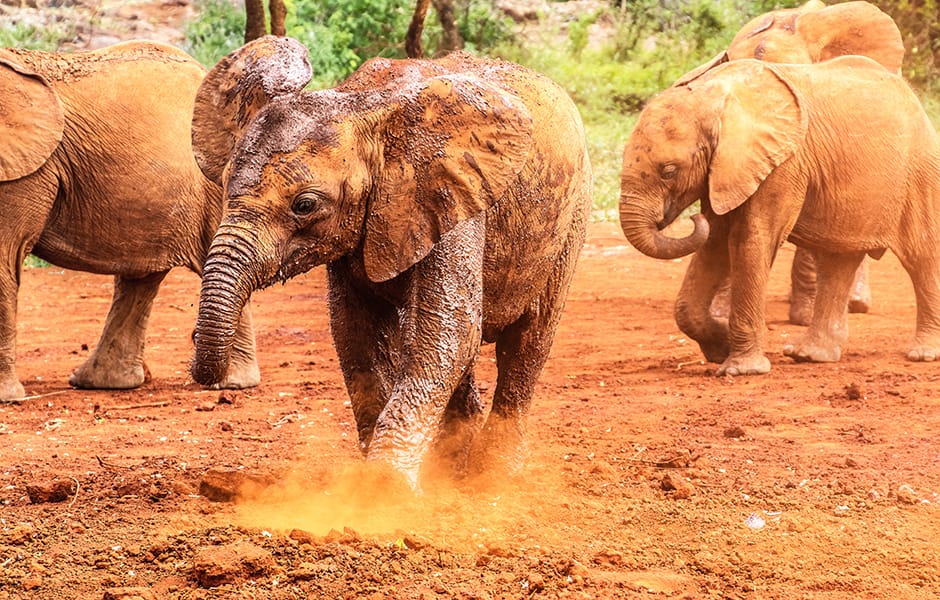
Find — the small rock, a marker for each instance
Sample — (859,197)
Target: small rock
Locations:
(51,491)
(734,432)
(303,537)
(129,593)
(536,583)
(20,534)
(680,488)
(853,392)
(219,565)
(225,485)
(206,407)
(31,582)
(907,495)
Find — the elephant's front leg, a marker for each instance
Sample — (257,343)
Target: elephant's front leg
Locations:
(118,360)
(751,250)
(704,299)
(11,389)
(440,333)
(364,332)
(829,326)
(243,371)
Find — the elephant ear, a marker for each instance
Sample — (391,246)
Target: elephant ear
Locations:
(453,144)
(719,59)
(31,119)
(760,126)
(853,28)
(236,88)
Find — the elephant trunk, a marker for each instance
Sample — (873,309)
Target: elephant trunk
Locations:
(229,276)
(644,230)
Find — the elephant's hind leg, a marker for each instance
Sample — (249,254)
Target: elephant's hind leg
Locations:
(925,275)
(118,360)
(462,420)
(829,329)
(521,351)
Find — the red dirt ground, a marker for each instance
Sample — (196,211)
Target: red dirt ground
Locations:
(645,468)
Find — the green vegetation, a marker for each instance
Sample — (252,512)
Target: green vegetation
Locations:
(34,37)
(342,34)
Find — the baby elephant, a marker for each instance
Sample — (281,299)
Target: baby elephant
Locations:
(97,174)
(448,199)
(838,156)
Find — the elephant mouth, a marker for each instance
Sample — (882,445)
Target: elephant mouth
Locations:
(670,214)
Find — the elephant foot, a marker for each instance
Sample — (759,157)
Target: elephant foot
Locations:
(498,453)
(801,310)
(715,352)
(94,374)
(924,352)
(11,391)
(241,374)
(451,451)
(754,363)
(812,349)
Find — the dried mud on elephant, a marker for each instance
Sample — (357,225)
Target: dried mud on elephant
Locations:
(648,475)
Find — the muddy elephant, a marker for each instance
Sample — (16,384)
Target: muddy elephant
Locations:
(813,33)
(839,157)
(97,174)
(448,199)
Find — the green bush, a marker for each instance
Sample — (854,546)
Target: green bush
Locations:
(342,34)
(32,37)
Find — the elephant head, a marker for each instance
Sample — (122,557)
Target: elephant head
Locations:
(813,33)
(31,119)
(380,167)
(714,139)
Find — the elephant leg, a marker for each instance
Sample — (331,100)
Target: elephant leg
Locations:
(26,204)
(243,371)
(705,298)
(925,275)
(362,326)
(117,362)
(521,351)
(11,389)
(752,248)
(860,294)
(802,287)
(463,418)
(828,329)
(439,327)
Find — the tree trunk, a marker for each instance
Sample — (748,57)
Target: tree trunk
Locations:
(255,24)
(413,46)
(278,15)
(445,12)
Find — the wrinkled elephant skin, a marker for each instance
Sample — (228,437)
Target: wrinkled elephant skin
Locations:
(839,157)
(97,174)
(447,198)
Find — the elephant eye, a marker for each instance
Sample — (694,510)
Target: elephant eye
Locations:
(304,204)
(668,171)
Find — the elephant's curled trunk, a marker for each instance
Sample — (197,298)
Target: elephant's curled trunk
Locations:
(226,286)
(645,233)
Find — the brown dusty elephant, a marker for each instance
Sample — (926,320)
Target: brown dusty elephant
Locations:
(448,199)
(839,157)
(813,33)
(97,174)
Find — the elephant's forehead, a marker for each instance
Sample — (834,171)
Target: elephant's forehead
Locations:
(280,129)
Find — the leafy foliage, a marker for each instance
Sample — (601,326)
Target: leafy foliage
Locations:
(34,37)
(342,34)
